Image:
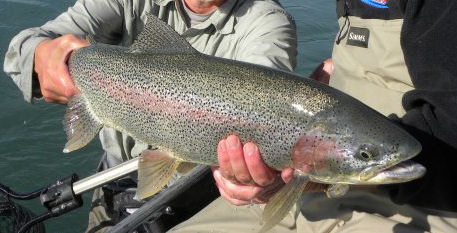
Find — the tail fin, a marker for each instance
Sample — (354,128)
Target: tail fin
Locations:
(79,124)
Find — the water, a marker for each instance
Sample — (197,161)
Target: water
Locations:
(31,136)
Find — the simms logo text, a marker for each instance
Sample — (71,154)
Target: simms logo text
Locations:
(353,36)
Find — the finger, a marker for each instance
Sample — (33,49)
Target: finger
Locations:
(52,73)
(260,173)
(52,97)
(66,83)
(74,42)
(224,160)
(54,86)
(231,200)
(328,66)
(70,43)
(220,185)
(235,153)
(57,76)
(237,191)
(287,174)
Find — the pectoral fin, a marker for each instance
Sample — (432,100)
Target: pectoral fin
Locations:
(281,203)
(155,169)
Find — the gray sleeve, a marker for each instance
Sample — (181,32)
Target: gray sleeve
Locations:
(271,41)
(102,19)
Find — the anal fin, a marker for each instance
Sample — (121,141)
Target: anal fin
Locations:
(155,169)
(283,201)
(185,167)
(79,124)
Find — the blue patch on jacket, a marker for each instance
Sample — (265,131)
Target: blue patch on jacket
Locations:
(376,3)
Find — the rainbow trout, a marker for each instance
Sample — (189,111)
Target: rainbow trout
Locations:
(163,92)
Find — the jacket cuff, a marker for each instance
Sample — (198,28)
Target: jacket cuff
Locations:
(27,79)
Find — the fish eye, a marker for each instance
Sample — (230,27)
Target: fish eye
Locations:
(366,152)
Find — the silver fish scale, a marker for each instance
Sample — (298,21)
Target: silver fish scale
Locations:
(184,104)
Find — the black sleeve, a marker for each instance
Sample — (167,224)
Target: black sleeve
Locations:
(429,43)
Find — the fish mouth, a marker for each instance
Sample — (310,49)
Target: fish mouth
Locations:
(402,172)
(370,172)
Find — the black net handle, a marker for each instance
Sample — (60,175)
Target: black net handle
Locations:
(20,196)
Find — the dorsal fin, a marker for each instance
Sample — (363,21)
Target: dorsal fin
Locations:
(159,37)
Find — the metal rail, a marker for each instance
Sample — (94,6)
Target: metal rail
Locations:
(106,176)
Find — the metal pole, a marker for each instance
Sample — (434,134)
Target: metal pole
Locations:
(160,200)
(106,176)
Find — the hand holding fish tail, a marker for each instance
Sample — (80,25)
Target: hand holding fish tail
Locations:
(242,177)
(51,67)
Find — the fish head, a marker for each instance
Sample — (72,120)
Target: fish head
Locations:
(357,146)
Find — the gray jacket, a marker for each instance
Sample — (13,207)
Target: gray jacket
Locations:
(256,31)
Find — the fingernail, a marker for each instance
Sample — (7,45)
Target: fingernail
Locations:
(233,142)
(249,149)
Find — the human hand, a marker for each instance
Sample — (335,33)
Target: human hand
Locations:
(51,66)
(242,177)
(323,71)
